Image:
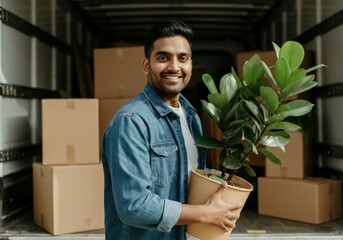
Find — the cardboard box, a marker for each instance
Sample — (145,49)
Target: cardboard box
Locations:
(296,160)
(107,109)
(70,131)
(310,200)
(118,72)
(69,198)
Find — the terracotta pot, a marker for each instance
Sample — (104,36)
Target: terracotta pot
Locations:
(201,188)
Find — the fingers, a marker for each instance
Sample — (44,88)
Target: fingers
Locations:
(221,190)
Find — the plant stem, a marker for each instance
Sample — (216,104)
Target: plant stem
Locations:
(257,143)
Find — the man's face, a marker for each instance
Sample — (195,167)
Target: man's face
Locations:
(169,68)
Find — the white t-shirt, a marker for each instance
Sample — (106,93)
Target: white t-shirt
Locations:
(192,152)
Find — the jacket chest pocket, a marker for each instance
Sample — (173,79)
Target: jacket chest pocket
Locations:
(163,163)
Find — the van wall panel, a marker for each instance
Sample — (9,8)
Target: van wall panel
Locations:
(43,15)
(333,55)
(21,8)
(15,120)
(44,66)
(15,54)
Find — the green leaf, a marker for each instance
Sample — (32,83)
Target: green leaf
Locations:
(296,86)
(218,100)
(208,142)
(276,49)
(282,72)
(252,70)
(295,108)
(228,86)
(275,118)
(211,110)
(234,74)
(305,87)
(271,156)
(216,178)
(230,162)
(297,74)
(249,170)
(287,126)
(209,82)
(275,139)
(293,52)
(315,68)
(252,107)
(230,114)
(270,97)
(269,73)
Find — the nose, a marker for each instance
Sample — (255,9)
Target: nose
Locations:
(173,65)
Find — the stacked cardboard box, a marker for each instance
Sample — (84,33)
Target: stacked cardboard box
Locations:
(288,191)
(118,77)
(68,184)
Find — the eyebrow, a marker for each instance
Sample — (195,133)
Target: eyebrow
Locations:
(167,53)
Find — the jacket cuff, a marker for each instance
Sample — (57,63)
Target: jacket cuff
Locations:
(171,214)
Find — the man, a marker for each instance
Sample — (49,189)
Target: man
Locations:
(148,150)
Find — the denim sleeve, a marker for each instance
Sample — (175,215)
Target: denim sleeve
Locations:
(128,157)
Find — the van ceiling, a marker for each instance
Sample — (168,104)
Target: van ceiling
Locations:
(127,20)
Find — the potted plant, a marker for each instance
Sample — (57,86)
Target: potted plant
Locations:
(251,113)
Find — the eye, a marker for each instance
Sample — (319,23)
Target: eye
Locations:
(183,58)
(162,58)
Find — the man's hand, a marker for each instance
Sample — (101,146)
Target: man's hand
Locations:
(214,212)
(221,214)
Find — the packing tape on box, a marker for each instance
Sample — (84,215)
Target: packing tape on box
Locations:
(70,154)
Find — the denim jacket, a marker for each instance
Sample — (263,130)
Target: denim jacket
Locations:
(145,169)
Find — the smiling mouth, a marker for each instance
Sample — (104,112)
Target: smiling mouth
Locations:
(172,77)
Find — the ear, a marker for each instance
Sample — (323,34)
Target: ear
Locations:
(146,65)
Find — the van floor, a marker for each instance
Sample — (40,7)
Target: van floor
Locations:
(249,226)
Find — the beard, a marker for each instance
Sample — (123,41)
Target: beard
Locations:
(168,84)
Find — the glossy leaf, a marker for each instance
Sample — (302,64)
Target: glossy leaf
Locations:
(208,142)
(271,156)
(249,170)
(295,108)
(269,73)
(228,86)
(209,82)
(231,162)
(252,70)
(296,75)
(276,139)
(252,107)
(282,72)
(270,97)
(287,126)
(275,118)
(276,49)
(315,67)
(211,110)
(295,86)
(234,74)
(219,101)
(216,178)
(293,52)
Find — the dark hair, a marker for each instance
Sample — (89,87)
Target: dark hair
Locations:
(166,29)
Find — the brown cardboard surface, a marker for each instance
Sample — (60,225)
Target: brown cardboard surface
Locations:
(69,198)
(118,72)
(296,160)
(70,131)
(310,200)
(107,109)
